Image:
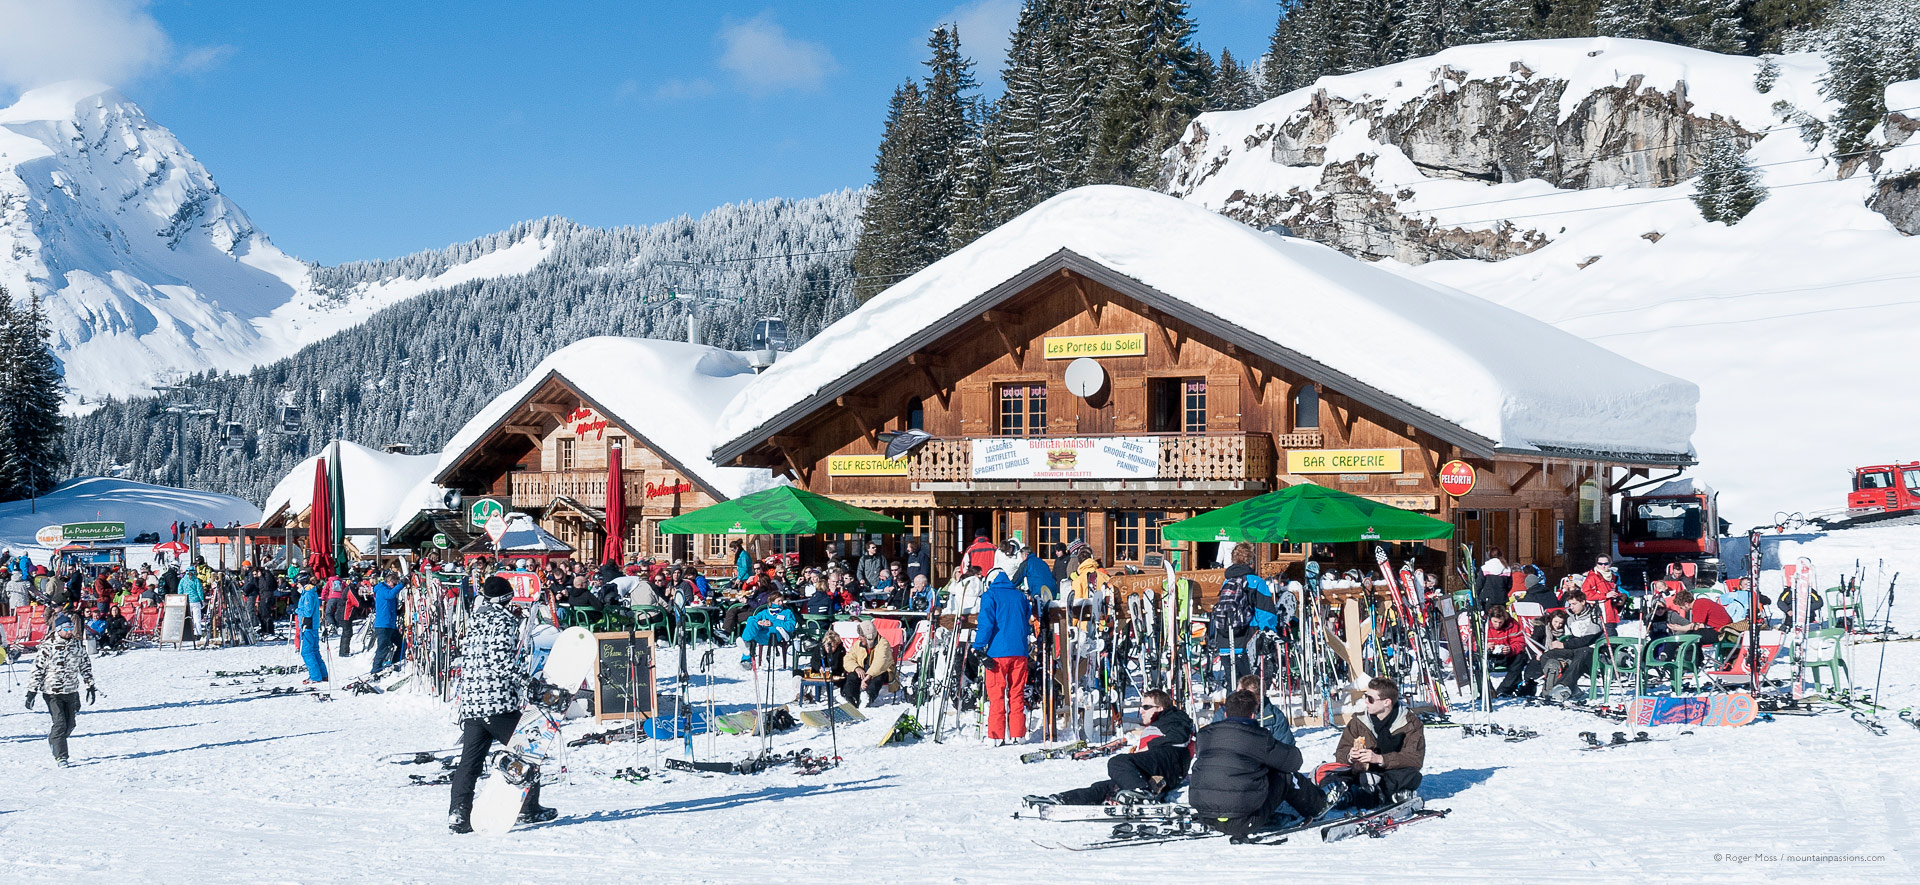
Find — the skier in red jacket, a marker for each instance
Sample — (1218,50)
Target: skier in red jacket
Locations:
(980,552)
(1602,587)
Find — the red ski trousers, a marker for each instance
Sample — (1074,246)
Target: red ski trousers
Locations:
(1007,698)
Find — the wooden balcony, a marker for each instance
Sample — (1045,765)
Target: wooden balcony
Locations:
(533,489)
(1219,457)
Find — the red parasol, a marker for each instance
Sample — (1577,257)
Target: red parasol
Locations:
(320,524)
(616,508)
(174,547)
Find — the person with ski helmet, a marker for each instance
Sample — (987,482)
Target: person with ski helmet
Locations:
(60,668)
(493,689)
(1001,635)
(1162,750)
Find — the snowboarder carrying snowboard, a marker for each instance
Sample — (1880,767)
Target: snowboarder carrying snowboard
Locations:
(1383,748)
(60,668)
(493,688)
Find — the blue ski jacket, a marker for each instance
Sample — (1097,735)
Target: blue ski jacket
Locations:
(386,604)
(780,625)
(1037,580)
(309,605)
(191,588)
(1002,629)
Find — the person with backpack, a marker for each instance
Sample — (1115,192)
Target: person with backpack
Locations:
(1243,607)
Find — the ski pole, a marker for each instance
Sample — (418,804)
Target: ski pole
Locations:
(1882,669)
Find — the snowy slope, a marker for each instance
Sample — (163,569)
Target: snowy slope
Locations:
(1795,322)
(147,269)
(143,507)
(221,785)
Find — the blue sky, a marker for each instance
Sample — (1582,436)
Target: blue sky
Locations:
(354,130)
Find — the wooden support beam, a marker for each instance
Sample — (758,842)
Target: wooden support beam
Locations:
(1615,488)
(856,401)
(532,430)
(1255,383)
(1516,484)
(867,428)
(929,360)
(791,441)
(1080,291)
(927,363)
(551,408)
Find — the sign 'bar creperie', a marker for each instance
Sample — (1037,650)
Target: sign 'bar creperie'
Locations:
(1343,460)
(1107,457)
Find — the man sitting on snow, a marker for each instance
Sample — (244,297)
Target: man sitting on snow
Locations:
(1242,777)
(1162,752)
(1383,749)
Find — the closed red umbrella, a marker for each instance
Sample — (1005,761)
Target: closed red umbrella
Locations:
(616,508)
(320,524)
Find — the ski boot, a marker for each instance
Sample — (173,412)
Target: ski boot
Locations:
(1592,739)
(1035,801)
(539,814)
(1133,797)
(458,822)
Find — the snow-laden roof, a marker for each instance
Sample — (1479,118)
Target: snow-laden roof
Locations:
(1513,380)
(142,506)
(378,485)
(667,392)
(1685,485)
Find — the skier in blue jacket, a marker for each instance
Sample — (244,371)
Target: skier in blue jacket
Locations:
(386,622)
(1002,635)
(307,632)
(774,623)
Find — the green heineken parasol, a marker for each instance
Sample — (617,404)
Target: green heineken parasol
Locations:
(783,510)
(1307,513)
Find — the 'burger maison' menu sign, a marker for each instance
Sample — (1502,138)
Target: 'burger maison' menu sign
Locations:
(1105,457)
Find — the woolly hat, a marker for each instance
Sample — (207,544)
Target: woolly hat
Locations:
(868,631)
(495,587)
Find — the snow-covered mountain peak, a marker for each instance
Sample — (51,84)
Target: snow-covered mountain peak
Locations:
(147,270)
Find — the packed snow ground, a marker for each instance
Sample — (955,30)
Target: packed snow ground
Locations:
(178,780)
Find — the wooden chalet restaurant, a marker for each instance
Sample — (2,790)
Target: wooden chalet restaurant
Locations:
(542,447)
(1115,359)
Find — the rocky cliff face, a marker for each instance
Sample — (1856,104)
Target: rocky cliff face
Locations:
(1459,126)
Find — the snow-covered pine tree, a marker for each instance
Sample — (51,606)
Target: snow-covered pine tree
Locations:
(1360,31)
(34,433)
(1714,25)
(1178,82)
(1025,120)
(889,243)
(1635,19)
(1729,186)
(951,124)
(1868,44)
(1234,87)
(1413,29)
(972,193)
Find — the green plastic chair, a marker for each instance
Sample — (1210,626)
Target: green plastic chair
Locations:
(1823,653)
(700,625)
(655,618)
(1623,659)
(577,617)
(613,620)
(1685,661)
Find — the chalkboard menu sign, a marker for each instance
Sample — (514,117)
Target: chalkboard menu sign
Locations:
(175,626)
(620,692)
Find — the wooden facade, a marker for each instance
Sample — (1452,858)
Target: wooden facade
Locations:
(1224,418)
(548,458)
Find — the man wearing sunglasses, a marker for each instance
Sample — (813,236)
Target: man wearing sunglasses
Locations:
(60,668)
(1383,748)
(1161,752)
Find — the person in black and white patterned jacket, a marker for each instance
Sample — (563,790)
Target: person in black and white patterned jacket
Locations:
(493,689)
(60,668)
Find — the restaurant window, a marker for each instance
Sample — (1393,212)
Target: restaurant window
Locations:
(1135,534)
(716,549)
(563,454)
(1058,527)
(617,442)
(1306,408)
(916,414)
(662,543)
(1177,405)
(1023,409)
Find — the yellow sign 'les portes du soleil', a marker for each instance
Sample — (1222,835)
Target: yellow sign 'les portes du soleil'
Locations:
(1068,347)
(866,465)
(1343,461)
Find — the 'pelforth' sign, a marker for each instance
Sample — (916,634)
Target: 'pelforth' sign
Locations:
(1457,477)
(1073,347)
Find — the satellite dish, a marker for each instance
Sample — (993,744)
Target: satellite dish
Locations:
(1085,377)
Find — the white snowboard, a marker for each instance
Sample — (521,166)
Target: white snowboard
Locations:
(497,804)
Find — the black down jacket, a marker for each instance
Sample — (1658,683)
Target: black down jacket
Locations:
(1236,764)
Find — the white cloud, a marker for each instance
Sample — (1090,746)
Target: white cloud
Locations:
(113,41)
(764,59)
(986,26)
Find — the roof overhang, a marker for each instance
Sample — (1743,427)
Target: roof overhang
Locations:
(1068,260)
(522,411)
